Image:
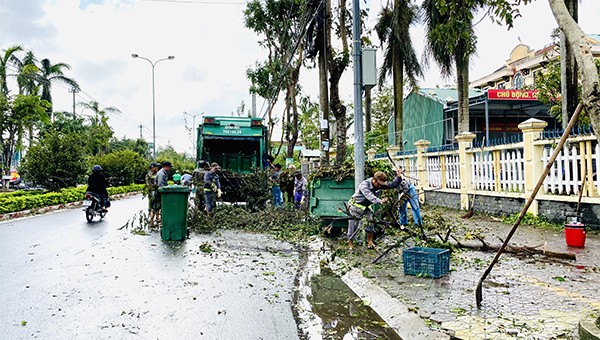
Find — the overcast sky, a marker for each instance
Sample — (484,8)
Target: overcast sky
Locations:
(212,50)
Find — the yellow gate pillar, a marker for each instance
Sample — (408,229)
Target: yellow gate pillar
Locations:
(532,154)
(422,162)
(465,141)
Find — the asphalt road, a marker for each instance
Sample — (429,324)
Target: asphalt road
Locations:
(64,278)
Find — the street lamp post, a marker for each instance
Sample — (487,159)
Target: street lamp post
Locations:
(153,99)
(194,127)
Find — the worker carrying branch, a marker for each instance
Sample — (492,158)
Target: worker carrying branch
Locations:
(368,193)
(407,193)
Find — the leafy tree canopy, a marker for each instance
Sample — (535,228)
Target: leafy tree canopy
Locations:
(56,161)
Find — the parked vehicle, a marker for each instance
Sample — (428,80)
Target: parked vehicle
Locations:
(237,144)
(92,207)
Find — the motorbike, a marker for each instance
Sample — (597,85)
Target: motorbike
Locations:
(92,206)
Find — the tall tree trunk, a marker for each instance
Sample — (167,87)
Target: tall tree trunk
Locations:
(590,82)
(462,82)
(337,66)
(397,78)
(324,49)
(368,103)
(568,70)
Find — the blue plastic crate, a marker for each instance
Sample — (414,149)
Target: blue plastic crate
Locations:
(432,262)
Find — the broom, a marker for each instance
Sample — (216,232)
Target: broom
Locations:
(559,146)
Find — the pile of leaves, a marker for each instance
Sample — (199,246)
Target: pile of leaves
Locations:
(340,173)
(284,224)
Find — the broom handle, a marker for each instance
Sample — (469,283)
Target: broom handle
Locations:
(559,146)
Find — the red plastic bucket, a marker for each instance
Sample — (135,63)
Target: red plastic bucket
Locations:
(575,235)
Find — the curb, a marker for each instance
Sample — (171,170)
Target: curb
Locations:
(588,328)
(394,312)
(45,210)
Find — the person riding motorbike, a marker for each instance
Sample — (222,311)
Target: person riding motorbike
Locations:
(97,184)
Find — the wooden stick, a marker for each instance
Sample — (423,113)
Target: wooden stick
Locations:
(583,181)
(559,146)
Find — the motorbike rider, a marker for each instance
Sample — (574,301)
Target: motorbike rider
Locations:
(97,184)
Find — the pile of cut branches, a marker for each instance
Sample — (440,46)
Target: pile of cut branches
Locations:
(340,173)
(285,224)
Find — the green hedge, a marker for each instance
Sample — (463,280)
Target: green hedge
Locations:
(12,203)
(20,193)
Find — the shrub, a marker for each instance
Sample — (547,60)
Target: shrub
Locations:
(122,167)
(10,203)
(56,161)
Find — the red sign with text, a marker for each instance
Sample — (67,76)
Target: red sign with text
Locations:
(497,94)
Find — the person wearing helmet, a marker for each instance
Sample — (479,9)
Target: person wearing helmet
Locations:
(97,184)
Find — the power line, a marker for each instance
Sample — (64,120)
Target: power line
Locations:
(198,2)
(293,53)
(81,95)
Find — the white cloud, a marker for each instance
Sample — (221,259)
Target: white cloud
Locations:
(212,50)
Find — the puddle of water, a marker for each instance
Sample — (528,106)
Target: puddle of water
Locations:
(343,313)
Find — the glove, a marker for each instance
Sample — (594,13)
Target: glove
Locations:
(219,193)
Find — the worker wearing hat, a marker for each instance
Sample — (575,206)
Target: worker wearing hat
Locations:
(368,193)
(212,187)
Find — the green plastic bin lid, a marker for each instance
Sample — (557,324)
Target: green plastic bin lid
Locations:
(175,188)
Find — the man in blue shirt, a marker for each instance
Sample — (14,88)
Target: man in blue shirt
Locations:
(407,193)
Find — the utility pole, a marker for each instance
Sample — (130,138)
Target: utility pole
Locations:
(141,126)
(359,141)
(73,90)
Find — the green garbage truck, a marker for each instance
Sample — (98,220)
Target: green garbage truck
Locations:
(237,144)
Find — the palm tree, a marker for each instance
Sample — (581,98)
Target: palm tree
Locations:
(451,41)
(100,132)
(28,77)
(54,72)
(400,57)
(8,58)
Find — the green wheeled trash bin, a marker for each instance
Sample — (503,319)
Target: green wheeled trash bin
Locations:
(174,201)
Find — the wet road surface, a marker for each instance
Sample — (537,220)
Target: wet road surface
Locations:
(62,278)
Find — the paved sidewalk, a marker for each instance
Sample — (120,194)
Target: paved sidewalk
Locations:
(524,297)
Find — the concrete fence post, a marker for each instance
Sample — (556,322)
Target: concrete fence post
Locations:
(393,150)
(422,162)
(371,154)
(532,154)
(465,141)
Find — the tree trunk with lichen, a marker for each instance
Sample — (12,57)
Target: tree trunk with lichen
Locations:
(337,65)
(590,81)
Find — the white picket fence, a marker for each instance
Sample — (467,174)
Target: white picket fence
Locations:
(566,174)
(451,170)
(501,168)
(434,171)
(512,170)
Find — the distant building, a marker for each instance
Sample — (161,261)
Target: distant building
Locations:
(524,64)
(498,102)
